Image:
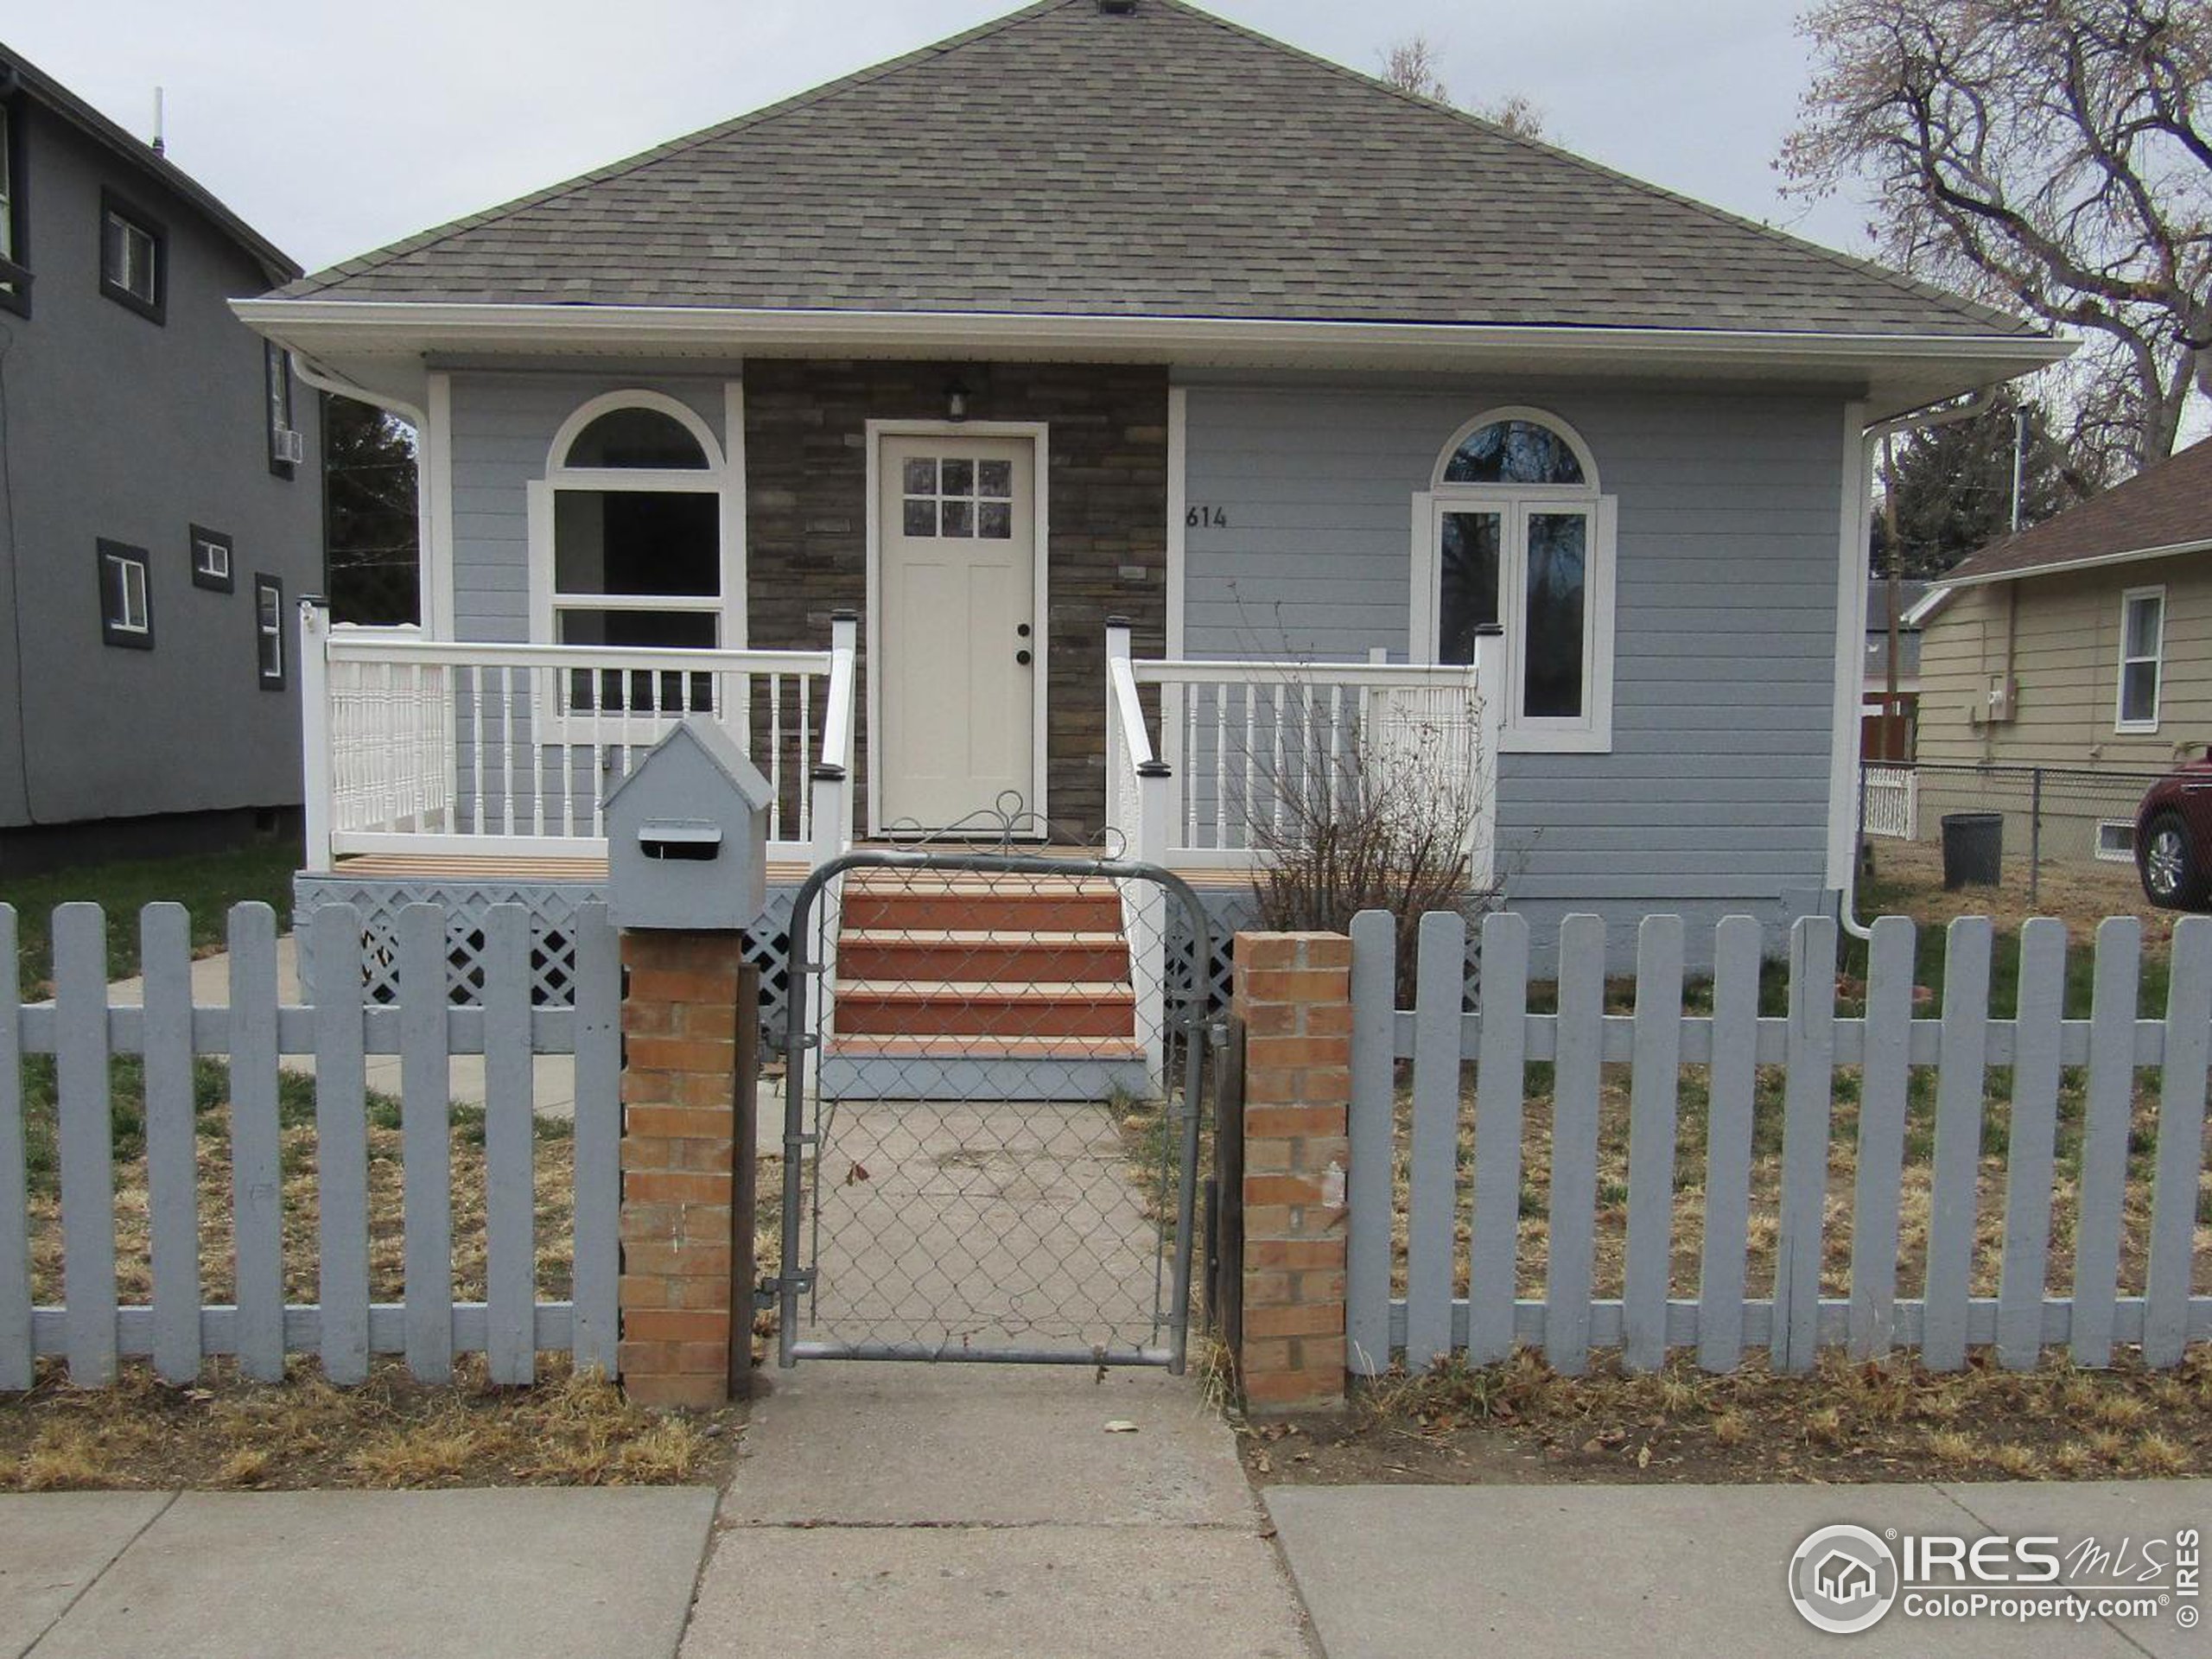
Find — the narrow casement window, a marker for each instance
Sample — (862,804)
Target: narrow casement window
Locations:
(211,560)
(133,250)
(269,631)
(2142,651)
(126,609)
(15,278)
(286,448)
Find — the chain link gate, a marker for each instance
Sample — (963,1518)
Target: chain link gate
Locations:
(994,1072)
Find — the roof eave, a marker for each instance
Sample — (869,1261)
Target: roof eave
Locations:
(2088,562)
(1904,366)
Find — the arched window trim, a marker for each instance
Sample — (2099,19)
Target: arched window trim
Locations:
(704,479)
(722,478)
(1533,416)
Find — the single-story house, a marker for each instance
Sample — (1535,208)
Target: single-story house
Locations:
(2082,646)
(1114,309)
(161,500)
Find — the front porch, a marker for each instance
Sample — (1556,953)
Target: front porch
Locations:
(473,775)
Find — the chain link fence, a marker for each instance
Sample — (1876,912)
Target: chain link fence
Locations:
(2037,835)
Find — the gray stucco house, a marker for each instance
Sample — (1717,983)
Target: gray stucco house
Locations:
(1119,310)
(161,499)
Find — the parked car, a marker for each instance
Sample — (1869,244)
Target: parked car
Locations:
(2173,838)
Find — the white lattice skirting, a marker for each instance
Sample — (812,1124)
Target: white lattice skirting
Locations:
(552,909)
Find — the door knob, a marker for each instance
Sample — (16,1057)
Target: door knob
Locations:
(1023,631)
(1022,657)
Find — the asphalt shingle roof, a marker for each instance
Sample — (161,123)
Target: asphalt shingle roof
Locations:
(2166,505)
(1063,160)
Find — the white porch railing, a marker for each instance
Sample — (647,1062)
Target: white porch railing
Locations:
(422,746)
(1259,750)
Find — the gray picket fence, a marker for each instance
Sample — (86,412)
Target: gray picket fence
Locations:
(1429,1321)
(256,1032)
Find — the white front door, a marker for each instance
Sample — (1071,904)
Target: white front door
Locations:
(956,643)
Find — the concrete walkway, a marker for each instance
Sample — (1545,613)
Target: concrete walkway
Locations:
(516,1574)
(987,1512)
(1461,1572)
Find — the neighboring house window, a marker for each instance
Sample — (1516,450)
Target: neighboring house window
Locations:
(134,258)
(211,560)
(126,610)
(2142,653)
(287,450)
(629,550)
(269,631)
(15,277)
(1514,532)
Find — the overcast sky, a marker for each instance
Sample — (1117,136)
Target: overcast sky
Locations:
(335,128)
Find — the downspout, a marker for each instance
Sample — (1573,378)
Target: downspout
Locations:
(1917,420)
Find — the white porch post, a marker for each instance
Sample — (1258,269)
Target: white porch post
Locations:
(1490,712)
(314,731)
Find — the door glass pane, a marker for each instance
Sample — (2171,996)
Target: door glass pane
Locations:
(921,476)
(959,518)
(921,516)
(995,479)
(959,478)
(1558,574)
(995,521)
(1469,598)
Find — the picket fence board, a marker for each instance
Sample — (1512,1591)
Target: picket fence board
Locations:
(1440,972)
(341,1155)
(597,1147)
(257,1157)
(1961,1074)
(510,1288)
(84,1137)
(1807,1099)
(1654,1103)
(1572,1216)
(2181,1139)
(426,1144)
(14,1179)
(1731,1102)
(2104,1138)
(1885,1087)
(1501,1077)
(172,1140)
(2032,1155)
(1373,1130)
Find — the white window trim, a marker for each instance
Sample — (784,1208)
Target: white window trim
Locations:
(722,478)
(130,566)
(1592,731)
(220,568)
(269,631)
(2112,840)
(2120,722)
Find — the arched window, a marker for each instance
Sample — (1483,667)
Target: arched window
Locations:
(630,551)
(1518,535)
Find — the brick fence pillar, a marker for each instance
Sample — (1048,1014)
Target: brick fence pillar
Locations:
(1294,992)
(690,1078)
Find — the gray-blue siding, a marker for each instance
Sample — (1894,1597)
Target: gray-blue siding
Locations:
(1714,800)
(503,425)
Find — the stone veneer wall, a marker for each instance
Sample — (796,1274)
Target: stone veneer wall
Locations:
(806,477)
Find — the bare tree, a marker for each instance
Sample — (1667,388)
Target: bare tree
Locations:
(2051,154)
(1411,65)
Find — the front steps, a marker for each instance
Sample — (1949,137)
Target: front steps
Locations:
(968,986)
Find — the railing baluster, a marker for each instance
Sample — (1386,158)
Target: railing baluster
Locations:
(775,757)
(507,749)
(1279,787)
(1187,767)
(476,750)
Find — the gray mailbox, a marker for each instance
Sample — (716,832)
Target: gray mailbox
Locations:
(687,835)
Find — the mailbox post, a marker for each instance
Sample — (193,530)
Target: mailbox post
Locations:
(686,866)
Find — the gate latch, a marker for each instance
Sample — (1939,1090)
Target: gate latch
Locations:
(769,1292)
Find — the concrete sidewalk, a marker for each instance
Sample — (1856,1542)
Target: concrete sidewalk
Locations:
(987,1512)
(1455,1572)
(508,1575)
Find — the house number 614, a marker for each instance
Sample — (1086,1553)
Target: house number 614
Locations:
(1207,518)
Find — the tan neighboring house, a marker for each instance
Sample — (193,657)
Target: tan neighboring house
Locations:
(2083,644)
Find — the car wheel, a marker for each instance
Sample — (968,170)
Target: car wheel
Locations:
(2172,874)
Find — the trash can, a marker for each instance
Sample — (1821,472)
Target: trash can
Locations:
(1974,849)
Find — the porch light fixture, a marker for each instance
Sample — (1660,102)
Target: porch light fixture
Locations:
(955,401)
